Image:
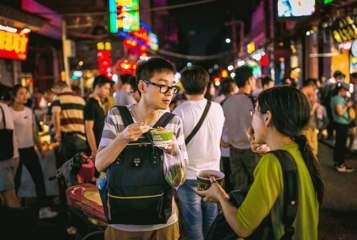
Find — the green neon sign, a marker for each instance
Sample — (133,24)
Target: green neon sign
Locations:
(328,1)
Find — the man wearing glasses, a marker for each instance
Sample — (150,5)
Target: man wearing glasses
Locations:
(156,83)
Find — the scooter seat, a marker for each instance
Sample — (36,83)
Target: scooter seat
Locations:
(93,195)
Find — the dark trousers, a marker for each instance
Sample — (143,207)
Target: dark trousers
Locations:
(226,169)
(70,145)
(29,158)
(341,141)
(331,124)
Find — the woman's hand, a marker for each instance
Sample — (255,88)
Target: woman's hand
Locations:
(215,193)
(256,148)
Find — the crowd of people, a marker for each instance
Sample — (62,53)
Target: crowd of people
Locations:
(211,131)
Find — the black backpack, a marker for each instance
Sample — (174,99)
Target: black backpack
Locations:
(220,229)
(136,191)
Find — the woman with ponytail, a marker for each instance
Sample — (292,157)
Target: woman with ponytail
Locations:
(280,115)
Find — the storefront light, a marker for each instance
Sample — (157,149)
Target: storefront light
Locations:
(230,68)
(308,33)
(8,29)
(233,75)
(26,30)
(240,63)
(257,57)
(215,66)
(228,40)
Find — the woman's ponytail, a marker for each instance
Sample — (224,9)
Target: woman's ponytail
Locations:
(312,165)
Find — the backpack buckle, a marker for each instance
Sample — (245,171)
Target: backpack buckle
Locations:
(136,162)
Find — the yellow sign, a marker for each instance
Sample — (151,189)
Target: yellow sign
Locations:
(251,47)
(104,46)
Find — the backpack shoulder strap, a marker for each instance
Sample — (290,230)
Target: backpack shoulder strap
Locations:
(199,124)
(164,120)
(125,115)
(291,191)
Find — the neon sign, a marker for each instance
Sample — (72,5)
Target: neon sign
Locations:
(143,37)
(124,15)
(13,44)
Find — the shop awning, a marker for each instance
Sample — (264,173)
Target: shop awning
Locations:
(21,19)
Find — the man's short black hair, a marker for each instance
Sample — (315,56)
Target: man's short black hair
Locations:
(147,68)
(227,86)
(100,81)
(48,91)
(354,75)
(266,81)
(194,80)
(125,78)
(242,75)
(133,84)
(337,73)
(310,82)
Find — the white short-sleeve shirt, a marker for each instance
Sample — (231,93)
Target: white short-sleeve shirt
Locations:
(23,121)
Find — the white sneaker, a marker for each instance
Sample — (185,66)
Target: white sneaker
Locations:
(344,169)
(47,213)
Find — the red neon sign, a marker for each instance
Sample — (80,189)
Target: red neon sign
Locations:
(142,35)
(13,44)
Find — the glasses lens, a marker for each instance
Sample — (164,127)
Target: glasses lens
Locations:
(175,89)
(164,89)
(251,113)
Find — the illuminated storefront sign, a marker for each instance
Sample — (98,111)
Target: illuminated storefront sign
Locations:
(143,37)
(124,15)
(328,1)
(344,30)
(251,47)
(13,43)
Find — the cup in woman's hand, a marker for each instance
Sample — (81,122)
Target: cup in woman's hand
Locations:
(203,179)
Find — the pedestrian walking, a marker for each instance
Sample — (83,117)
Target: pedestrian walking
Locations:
(26,137)
(202,122)
(278,118)
(236,111)
(9,158)
(94,113)
(68,116)
(228,88)
(340,109)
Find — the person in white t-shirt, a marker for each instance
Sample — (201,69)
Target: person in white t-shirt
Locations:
(26,136)
(203,151)
(8,167)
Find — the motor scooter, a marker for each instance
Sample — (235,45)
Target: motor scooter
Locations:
(85,207)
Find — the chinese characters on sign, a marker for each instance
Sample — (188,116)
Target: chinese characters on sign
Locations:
(13,45)
(124,15)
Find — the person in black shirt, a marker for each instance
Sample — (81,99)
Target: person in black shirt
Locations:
(94,113)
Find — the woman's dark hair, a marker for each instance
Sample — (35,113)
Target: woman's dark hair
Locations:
(290,111)
(337,88)
(15,89)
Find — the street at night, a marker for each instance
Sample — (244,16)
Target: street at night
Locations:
(178,119)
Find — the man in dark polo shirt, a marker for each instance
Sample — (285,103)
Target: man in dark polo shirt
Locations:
(94,113)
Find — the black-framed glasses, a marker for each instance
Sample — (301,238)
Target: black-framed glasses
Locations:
(164,88)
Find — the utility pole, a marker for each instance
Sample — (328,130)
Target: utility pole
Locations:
(234,23)
(65,51)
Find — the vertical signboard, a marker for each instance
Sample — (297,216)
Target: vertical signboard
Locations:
(124,15)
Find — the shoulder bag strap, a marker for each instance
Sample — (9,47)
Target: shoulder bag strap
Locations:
(3,117)
(199,124)
(164,120)
(291,191)
(125,115)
